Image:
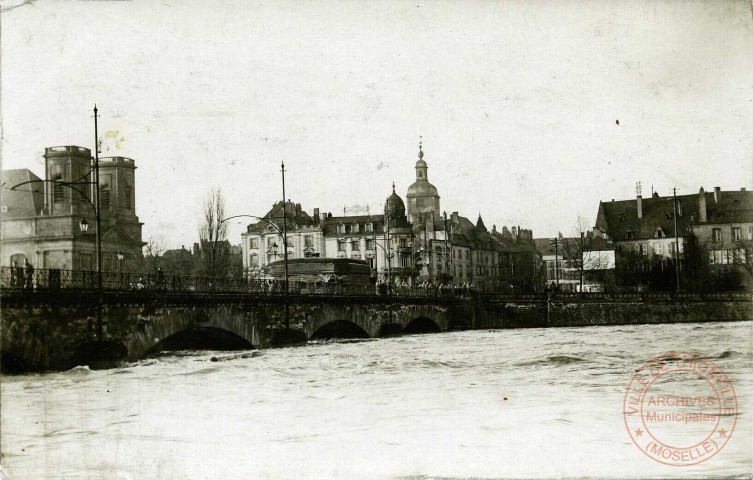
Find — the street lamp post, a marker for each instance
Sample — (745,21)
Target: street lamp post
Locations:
(95,205)
(285,245)
(120,268)
(677,245)
(582,265)
(282,232)
(556,243)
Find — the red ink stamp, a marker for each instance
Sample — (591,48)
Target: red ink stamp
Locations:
(680,409)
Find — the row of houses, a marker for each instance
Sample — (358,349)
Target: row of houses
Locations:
(636,241)
(404,246)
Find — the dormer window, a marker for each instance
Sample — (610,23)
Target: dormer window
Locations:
(341,228)
(356,228)
(660,233)
(629,234)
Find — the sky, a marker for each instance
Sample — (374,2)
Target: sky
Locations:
(530,112)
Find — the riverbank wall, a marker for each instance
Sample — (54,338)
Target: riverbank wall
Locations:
(617,309)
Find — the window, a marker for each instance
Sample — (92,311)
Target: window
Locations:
(644,249)
(660,233)
(369,244)
(355,228)
(619,248)
(736,234)
(467,254)
(57,190)
(253,260)
(128,195)
(637,248)
(253,243)
(308,240)
(716,235)
(404,261)
(750,233)
(629,235)
(453,253)
(740,256)
(369,227)
(106,197)
(341,228)
(403,242)
(340,246)
(658,248)
(711,257)
(354,246)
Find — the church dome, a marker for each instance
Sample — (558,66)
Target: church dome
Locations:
(422,188)
(394,205)
(421,164)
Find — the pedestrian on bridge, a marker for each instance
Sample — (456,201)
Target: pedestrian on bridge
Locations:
(29,274)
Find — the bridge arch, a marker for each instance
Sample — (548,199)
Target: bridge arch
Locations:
(201,338)
(170,328)
(339,329)
(389,329)
(422,324)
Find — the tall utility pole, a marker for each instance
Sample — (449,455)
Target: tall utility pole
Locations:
(677,245)
(582,265)
(389,256)
(556,242)
(285,245)
(99,227)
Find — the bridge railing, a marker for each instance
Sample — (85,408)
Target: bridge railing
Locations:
(58,279)
(620,297)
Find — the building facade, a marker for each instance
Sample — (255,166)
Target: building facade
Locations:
(405,246)
(41,219)
(643,230)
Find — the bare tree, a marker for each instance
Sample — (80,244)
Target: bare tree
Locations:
(215,250)
(153,251)
(584,253)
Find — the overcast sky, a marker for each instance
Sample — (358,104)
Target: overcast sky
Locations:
(517,102)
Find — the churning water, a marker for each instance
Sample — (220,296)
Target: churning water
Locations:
(476,404)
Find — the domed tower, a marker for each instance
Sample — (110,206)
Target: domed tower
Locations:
(394,208)
(422,195)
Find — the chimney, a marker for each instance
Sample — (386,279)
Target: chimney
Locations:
(639,206)
(717,194)
(297,210)
(316,215)
(702,206)
(196,249)
(742,189)
(454,217)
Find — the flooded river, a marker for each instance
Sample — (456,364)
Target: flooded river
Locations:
(476,404)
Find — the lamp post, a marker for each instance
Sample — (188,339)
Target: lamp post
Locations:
(285,244)
(120,268)
(556,243)
(282,232)
(95,205)
(677,245)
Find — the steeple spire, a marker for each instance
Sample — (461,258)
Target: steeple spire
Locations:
(420,147)
(393,186)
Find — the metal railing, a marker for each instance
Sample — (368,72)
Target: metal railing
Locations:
(44,280)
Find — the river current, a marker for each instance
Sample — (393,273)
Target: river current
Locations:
(475,404)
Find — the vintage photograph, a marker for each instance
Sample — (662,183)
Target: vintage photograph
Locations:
(446,240)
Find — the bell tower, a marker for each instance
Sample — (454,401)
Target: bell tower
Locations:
(422,196)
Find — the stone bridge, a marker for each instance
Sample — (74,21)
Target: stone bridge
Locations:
(45,330)
(58,332)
